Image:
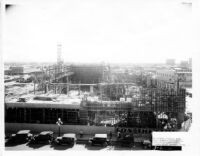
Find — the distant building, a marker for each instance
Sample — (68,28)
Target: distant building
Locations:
(170,62)
(93,73)
(174,77)
(23,71)
(166,78)
(184,77)
(14,71)
(151,81)
(184,64)
(7,72)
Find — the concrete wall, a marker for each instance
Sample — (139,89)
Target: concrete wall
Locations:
(14,127)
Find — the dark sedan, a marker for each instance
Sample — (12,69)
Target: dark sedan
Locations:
(147,144)
(21,136)
(99,139)
(43,137)
(66,139)
(127,140)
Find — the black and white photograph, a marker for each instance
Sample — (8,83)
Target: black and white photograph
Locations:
(98,75)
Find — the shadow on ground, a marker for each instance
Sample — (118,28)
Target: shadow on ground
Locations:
(11,144)
(35,146)
(60,147)
(94,147)
(136,146)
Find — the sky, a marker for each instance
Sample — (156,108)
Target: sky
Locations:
(125,31)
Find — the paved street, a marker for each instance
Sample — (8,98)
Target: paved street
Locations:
(26,147)
(82,144)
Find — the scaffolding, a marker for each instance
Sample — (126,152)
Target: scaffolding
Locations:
(144,108)
(145,99)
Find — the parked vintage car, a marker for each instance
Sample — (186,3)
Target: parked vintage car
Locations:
(147,144)
(43,137)
(126,140)
(99,139)
(22,100)
(21,136)
(66,139)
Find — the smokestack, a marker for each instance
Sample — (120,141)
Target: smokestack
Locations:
(59,53)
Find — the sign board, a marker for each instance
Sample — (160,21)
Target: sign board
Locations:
(168,138)
(122,99)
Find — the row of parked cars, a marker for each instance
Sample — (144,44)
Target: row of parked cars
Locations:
(44,137)
(47,137)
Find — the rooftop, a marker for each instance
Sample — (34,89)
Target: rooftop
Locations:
(69,135)
(46,132)
(100,136)
(57,101)
(23,132)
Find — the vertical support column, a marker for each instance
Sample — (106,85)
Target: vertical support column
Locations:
(5,105)
(55,89)
(117,90)
(20,115)
(59,90)
(34,87)
(76,118)
(43,115)
(67,84)
(64,87)
(15,114)
(24,115)
(126,92)
(67,88)
(79,89)
(95,118)
(30,115)
(91,89)
(67,115)
(101,90)
(47,88)
(156,109)
(67,79)
(62,114)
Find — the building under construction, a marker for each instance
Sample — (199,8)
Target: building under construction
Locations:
(94,94)
(100,103)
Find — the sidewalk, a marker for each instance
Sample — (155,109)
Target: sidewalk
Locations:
(85,138)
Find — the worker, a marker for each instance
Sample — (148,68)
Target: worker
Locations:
(118,135)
